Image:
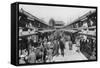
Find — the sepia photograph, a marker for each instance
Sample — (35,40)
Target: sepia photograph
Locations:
(50,34)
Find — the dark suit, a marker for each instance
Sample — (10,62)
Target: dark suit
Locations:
(61,44)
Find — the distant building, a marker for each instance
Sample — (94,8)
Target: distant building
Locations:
(56,24)
(59,24)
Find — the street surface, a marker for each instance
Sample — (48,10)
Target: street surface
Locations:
(70,55)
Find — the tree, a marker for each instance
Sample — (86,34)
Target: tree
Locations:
(51,22)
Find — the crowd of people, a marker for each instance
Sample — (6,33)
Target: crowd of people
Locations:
(89,45)
(42,47)
(86,45)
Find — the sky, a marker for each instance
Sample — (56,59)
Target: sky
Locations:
(65,14)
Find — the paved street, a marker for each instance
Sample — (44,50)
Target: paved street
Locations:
(70,55)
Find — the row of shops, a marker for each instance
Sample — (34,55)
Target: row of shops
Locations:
(86,26)
(34,32)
